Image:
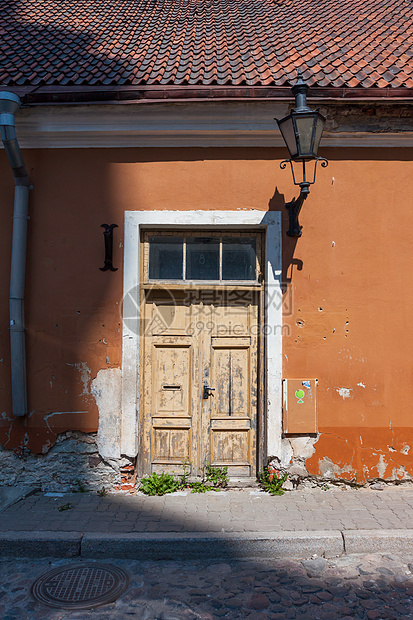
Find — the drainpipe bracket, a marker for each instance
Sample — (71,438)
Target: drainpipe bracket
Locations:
(7,119)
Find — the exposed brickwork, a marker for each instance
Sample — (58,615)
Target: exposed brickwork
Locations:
(127,477)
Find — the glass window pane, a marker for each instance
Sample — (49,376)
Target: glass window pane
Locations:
(166,258)
(318,133)
(305,131)
(239,259)
(287,130)
(202,258)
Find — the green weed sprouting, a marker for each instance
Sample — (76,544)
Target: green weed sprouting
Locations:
(217,476)
(270,480)
(215,479)
(64,507)
(159,484)
(80,487)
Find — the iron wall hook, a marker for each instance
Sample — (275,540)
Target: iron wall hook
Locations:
(108,236)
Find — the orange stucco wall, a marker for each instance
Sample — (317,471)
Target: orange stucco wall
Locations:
(348,323)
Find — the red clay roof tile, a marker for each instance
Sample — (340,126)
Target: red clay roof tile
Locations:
(351,43)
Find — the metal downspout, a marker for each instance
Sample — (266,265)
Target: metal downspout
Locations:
(9,104)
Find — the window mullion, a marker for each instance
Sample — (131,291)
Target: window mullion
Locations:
(220,259)
(184,261)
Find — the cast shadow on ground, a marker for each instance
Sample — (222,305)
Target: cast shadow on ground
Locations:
(222,583)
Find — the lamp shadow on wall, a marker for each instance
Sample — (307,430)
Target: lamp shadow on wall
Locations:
(288,244)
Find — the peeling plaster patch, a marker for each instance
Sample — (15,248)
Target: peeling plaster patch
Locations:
(293,455)
(46,446)
(361,384)
(405,449)
(381,466)
(50,415)
(400,473)
(303,447)
(344,392)
(106,388)
(84,370)
(286,456)
(9,432)
(328,469)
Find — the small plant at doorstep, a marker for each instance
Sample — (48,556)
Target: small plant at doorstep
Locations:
(271,480)
(159,484)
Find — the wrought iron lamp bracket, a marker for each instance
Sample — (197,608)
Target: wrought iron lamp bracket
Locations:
(294,206)
(322,160)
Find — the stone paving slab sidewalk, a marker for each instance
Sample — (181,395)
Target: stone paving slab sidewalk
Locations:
(365,519)
(226,511)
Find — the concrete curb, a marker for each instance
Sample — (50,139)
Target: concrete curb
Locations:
(378,541)
(40,544)
(167,546)
(203,545)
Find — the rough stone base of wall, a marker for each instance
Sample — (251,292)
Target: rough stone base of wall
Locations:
(72,464)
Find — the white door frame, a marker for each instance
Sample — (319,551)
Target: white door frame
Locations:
(270,222)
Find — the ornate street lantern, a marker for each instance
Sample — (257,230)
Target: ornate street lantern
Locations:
(302,130)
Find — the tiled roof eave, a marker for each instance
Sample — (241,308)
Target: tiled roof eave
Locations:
(75,94)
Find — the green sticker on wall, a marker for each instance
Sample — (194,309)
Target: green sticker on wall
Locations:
(300,395)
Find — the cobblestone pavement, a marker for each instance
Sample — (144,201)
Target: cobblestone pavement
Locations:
(355,586)
(228,511)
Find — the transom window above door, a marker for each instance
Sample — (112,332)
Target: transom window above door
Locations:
(201,257)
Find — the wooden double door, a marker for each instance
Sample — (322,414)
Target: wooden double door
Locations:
(199,382)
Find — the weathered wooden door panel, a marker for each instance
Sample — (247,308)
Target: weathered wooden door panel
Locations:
(171,380)
(230,374)
(171,414)
(232,449)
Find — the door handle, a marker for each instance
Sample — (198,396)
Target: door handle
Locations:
(207,391)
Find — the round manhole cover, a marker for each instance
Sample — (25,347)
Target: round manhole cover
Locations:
(81,586)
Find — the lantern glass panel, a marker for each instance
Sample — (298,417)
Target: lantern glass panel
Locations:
(305,123)
(287,130)
(320,121)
